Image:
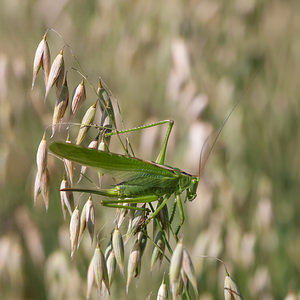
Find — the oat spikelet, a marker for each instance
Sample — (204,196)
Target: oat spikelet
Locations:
(60,106)
(90,218)
(133,262)
(87,120)
(90,279)
(111,264)
(175,267)
(108,110)
(74,229)
(133,226)
(66,197)
(56,74)
(100,269)
(41,59)
(163,291)
(41,155)
(120,214)
(118,246)
(78,98)
(188,269)
(82,223)
(158,250)
(231,291)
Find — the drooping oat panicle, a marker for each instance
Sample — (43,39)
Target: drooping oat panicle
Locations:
(78,98)
(66,197)
(111,264)
(60,106)
(163,291)
(231,291)
(90,279)
(74,229)
(41,155)
(188,269)
(87,120)
(45,187)
(56,74)
(90,218)
(175,266)
(158,250)
(41,59)
(82,224)
(118,246)
(133,262)
(69,164)
(93,145)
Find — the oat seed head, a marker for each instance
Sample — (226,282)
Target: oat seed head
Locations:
(41,155)
(74,229)
(87,120)
(56,73)
(133,263)
(231,291)
(79,96)
(175,266)
(111,264)
(162,292)
(118,246)
(188,269)
(41,59)
(90,279)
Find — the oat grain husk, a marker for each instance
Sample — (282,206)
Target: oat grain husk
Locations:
(87,120)
(56,74)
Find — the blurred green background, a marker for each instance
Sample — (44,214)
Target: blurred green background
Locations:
(190,61)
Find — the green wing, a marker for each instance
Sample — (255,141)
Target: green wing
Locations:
(110,163)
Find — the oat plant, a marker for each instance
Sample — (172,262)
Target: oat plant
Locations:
(141,195)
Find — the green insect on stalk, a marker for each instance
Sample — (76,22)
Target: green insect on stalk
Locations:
(142,181)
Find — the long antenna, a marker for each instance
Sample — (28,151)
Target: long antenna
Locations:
(201,167)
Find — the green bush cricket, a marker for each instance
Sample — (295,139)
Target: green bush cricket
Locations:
(143,181)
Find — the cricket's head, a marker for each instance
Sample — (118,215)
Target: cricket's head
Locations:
(191,191)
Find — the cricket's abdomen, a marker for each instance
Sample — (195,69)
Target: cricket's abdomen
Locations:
(149,186)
